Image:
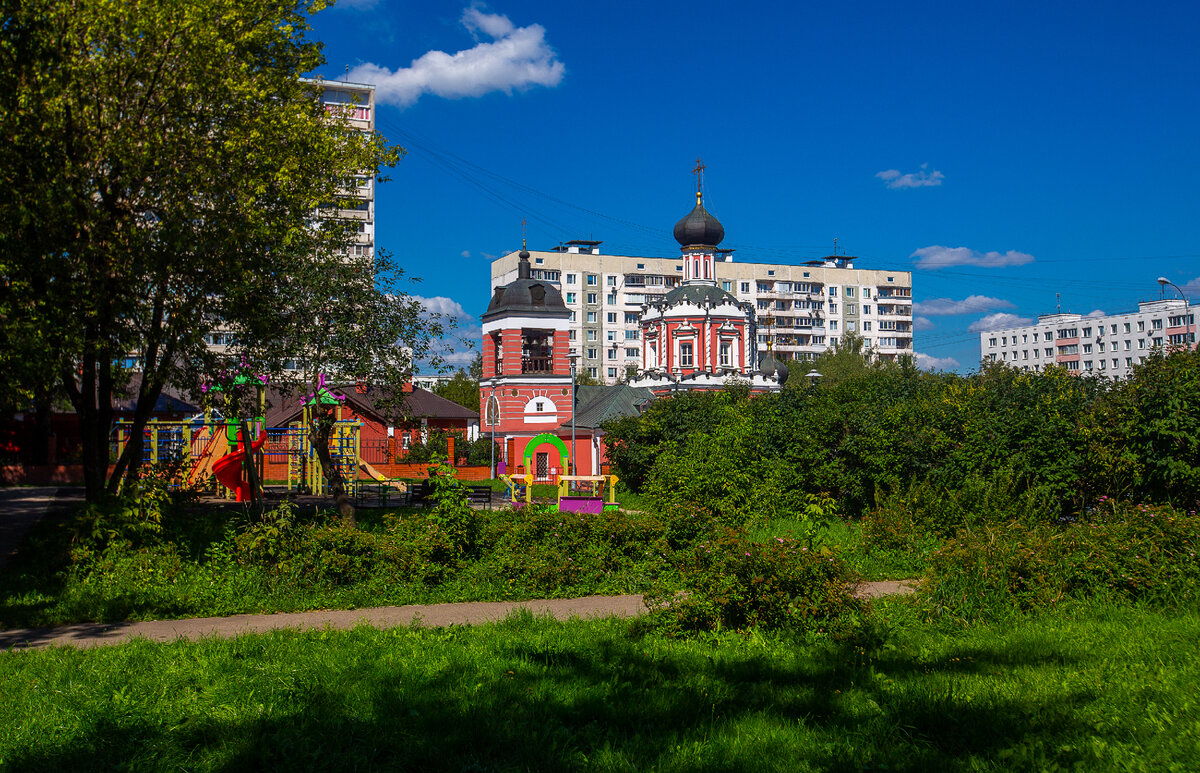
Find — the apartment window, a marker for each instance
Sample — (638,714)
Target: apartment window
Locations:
(1101,346)
(1129,362)
(1072,365)
(833,325)
(866,326)
(592,372)
(1049,336)
(1127,327)
(591,298)
(611,317)
(612,372)
(593,353)
(1004,341)
(992,341)
(1024,354)
(591,316)
(1156,324)
(724,354)
(592,279)
(866,309)
(570,279)
(1141,343)
(891,279)
(611,335)
(745,287)
(727,286)
(851,308)
(771,272)
(1141,325)
(679,267)
(805,274)
(1128,345)
(1049,352)
(611,300)
(685,355)
(570,297)
(1113,329)
(570,335)
(849,292)
(572,317)
(591,335)
(632,335)
(539,261)
(641,266)
(1087,332)
(631,318)
(1087,364)
(1035,338)
(832,292)
(1024,338)
(1156,341)
(612,280)
(866,292)
(1087,348)
(632,352)
(1103,364)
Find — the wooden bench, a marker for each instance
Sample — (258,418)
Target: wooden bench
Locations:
(479,495)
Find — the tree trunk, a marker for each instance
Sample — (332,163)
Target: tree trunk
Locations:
(320,434)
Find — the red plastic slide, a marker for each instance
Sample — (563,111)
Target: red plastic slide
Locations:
(228,469)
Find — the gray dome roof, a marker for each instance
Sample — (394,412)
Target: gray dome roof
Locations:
(770,365)
(526,297)
(699,228)
(700,295)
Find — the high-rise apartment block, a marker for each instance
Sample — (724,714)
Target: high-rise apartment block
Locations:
(1107,345)
(800,310)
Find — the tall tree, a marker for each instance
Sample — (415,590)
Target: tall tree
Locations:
(159,169)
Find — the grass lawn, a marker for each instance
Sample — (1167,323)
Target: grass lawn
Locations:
(1084,687)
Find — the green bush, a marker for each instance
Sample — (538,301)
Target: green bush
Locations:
(1134,552)
(732,583)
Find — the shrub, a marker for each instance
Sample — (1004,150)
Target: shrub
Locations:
(1135,552)
(733,583)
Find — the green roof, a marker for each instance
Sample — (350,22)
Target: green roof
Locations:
(595,405)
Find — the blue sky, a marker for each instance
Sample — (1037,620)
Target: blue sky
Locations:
(1003,153)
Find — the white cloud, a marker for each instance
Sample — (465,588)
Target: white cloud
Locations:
(1096,313)
(515,57)
(440,304)
(923,323)
(465,253)
(998,321)
(937,256)
(972,304)
(460,359)
(1191,288)
(928,362)
(922,179)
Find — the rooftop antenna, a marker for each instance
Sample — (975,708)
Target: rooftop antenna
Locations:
(698,170)
(347,76)
(1058,303)
(835,246)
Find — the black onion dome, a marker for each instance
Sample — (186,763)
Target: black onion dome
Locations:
(770,365)
(699,228)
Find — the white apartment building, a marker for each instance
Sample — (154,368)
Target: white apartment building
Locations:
(353,103)
(800,310)
(1108,345)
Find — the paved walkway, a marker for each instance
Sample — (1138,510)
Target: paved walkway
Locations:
(429,615)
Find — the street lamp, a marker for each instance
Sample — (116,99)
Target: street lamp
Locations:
(573,357)
(1187,324)
(493,418)
(812,376)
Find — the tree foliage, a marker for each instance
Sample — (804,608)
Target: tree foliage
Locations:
(160,169)
(1051,442)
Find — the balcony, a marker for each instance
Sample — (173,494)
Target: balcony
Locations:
(544,365)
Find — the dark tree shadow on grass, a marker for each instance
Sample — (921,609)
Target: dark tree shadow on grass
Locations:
(601,703)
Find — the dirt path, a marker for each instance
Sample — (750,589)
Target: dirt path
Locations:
(430,615)
(23,506)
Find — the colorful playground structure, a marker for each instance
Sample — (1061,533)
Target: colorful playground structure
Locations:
(576,493)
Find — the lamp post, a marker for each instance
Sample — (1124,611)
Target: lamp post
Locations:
(813,376)
(1187,324)
(493,417)
(573,357)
